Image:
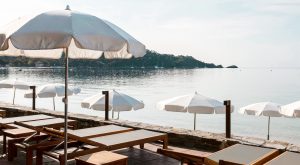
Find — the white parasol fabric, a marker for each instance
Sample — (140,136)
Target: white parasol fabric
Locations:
(85,35)
(193,103)
(118,102)
(78,35)
(15,84)
(268,109)
(291,110)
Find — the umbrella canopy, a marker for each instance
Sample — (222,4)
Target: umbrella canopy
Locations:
(193,103)
(85,36)
(15,84)
(268,109)
(8,83)
(117,102)
(79,35)
(52,91)
(291,110)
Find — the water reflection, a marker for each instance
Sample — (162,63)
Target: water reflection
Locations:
(242,87)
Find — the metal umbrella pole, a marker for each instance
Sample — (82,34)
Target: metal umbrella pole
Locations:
(66,106)
(195,118)
(14,95)
(53,99)
(268,137)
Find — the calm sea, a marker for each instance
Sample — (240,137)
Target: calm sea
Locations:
(241,86)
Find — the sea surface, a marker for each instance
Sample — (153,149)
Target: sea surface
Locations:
(241,86)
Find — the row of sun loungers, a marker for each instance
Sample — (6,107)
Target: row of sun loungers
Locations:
(42,134)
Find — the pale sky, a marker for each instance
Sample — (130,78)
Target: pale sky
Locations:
(248,33)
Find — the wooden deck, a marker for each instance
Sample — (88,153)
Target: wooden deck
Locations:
(136,156)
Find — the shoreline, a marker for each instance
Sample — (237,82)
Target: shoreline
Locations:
(177,137)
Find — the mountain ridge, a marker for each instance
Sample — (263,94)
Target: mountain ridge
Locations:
(152,59)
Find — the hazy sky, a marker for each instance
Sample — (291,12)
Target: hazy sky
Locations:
(249,33)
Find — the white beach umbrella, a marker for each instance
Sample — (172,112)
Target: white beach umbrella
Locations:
(193,103)
(291,110)
(52,91)
(118,102)
(268,109)
(79,35)
(15,84)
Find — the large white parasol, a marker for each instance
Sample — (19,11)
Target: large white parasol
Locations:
(15,84)
(118,102)
(268,109)
(193,103)
(291,110)
(78,35)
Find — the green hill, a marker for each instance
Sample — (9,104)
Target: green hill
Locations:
(152,59)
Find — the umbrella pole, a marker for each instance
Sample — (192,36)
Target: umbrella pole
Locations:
(112,113)
(118,115)
(53,104)
(66,107)
(195,121)
(268,137)
(14,95)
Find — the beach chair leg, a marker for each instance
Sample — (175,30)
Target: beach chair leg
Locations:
(141,146)
(61,160)
(29,157)
(12,151)
(39,157)
(165,143)
(4,144)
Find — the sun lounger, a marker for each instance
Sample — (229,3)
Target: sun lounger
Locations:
(8,123)
(109,142)
(80,134)
(31,129)
(242,154)
(99,131)
(288,158)
(235,155)
(102,158)
(4,123)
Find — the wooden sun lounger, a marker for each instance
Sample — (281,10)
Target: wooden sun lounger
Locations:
(242,154)
(31,129)
(99,131)
(8,123)
(80,134)
(109,142)
(4,123)
(288,158)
